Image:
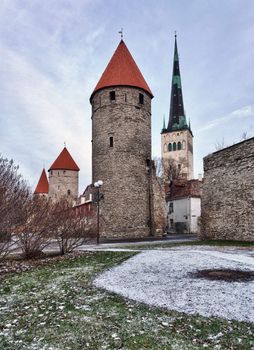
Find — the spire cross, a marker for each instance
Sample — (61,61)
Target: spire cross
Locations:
(64,144)
(121,32)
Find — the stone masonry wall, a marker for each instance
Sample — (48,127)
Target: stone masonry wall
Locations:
(228,193)
(126,206)
(62,181)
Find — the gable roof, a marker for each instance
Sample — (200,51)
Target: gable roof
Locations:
(43,185)
(64,162)
(122,70)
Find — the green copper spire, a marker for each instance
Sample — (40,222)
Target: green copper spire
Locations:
(164,129)
(177,118)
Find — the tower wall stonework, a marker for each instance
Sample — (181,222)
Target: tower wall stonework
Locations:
(228,193)
(183,156)
(63,183)
(126,210)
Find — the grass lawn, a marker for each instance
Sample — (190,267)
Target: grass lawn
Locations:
(168,244)
(57,307)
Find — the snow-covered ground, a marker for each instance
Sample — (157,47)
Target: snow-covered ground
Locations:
(163,278)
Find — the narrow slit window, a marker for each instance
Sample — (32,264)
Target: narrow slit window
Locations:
(125,97)
(112,95)
(141,99)
(111,141)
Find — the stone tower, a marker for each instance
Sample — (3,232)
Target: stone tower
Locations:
(121,147)
(42,187)
(63,177)
(177,137)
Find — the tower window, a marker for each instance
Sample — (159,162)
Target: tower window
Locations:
(174,146)
(141,99)
(112,95)
(179,146)
(170,147)
(125,97)
(69,192)
(111,141)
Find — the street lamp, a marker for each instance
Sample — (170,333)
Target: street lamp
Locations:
(98,184)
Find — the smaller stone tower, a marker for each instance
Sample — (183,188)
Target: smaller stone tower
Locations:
(177,137)
(63,177)
(42,187)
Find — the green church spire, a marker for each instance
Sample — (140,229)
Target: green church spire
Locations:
(177,118)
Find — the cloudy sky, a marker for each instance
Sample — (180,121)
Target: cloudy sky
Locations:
(53,52)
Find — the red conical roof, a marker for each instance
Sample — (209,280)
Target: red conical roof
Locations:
(64,162)
(43,185)
(122,70)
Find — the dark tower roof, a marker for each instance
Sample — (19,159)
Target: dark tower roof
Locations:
(122,70)
(177,118)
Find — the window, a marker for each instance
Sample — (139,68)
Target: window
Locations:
(69,192)
(125,97)
(179,166)
(171,223)
(111,141)
(141,99)
(171,207)
(170,147)
(64,172)
(179,146)
(183,145)
(112,95)
(51,173)
(174,146)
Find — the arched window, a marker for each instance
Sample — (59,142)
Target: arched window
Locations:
(69,192)
(183,145)
(174,146)
(165,147)
(179,146)
(170,147)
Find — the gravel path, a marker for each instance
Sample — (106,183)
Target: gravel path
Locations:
(163,278)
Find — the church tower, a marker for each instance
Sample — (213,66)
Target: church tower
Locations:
(121,147)
(177,137)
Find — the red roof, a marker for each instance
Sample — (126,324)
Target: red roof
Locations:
(64,162)
(122,70)
(43,185)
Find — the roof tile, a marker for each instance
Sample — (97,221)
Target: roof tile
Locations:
(122,70)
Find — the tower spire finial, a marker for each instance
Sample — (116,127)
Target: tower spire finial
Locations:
(121,32)
(175,34)
(64,144)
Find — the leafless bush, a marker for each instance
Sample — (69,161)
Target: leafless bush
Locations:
(38,227)
(73,229)
(14,194)
(167,168)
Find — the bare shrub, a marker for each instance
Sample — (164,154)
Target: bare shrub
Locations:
(14,194)
(167,168)
(38,227)
(73,229)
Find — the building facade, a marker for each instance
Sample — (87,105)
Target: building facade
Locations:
(184,206)
(121,148)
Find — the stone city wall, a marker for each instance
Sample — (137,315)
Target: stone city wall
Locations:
(228,193)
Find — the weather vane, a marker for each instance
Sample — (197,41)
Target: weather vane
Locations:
(121,32)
